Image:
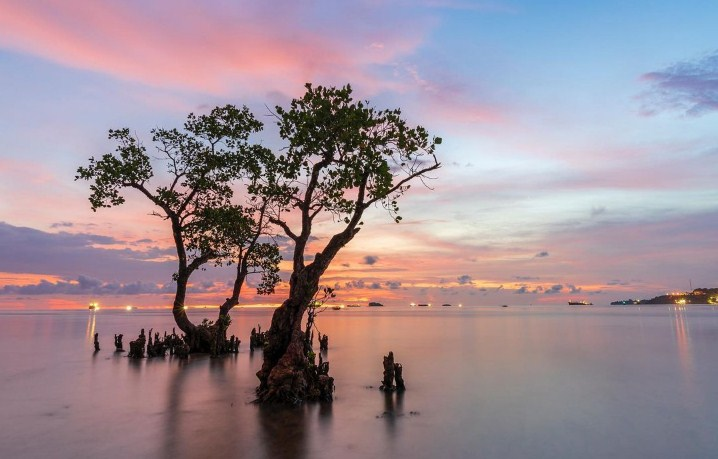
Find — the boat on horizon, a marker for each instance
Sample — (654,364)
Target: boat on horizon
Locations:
(446,304)
(354,305)
(579,303)
(424,305)
(375,304)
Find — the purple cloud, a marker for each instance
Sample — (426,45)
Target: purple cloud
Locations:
(526,278)
(524,289)
(464,280)
(62,225)
(88,286)
(359,283)
(370,259)
(617,282)
(71,255)
(690,86)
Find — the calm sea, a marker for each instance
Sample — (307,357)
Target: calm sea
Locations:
(517,382)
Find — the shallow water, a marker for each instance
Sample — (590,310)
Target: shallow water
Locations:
(518,382)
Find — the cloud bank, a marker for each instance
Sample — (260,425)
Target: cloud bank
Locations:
(69,255)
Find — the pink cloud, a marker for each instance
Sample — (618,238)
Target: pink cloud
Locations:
(187,45)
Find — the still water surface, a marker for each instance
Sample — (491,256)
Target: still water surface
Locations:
(518,382)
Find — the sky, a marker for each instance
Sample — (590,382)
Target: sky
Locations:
(579,160)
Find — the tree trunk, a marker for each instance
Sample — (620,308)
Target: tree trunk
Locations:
(223,319)
(287,376)
(219,329)
(283,374)
(178,307)
(199,339)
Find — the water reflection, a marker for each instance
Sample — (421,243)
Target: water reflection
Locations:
(685,351)
(91,323)
(175,393)
(393,409)
(135,365)
(325,416)
(610,383)
(284,431)
(201,418)
(683,339)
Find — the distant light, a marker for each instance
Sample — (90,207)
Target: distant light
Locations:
(129,308)
(185,307)
(460,304)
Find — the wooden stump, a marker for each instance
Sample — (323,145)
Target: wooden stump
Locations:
(137,347)
(399,378)
(323,342)
(392,371)
(118,343)
(387,384)
(234,344)
(182,351)
(257,338)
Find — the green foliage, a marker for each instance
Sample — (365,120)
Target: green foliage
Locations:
(128,167)
(224,321)
(323,295)
(344,154)
(265,259)
(224,230)
(203,161)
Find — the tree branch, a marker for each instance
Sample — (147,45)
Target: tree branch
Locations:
(405,180)
(285,227)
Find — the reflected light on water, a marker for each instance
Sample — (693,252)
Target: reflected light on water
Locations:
(91,323)
(683,341)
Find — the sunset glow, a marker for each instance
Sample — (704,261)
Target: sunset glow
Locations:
(579,155)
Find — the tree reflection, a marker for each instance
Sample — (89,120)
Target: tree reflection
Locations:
(393,409)
(283,431)
(201,422)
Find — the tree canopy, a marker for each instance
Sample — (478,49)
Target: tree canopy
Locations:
(342,157)
(203,162)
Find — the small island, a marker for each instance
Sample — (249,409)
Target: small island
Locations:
(697,296)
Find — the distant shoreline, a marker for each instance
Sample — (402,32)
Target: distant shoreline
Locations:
(697,296)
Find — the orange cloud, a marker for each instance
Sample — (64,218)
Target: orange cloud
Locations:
(21,279)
